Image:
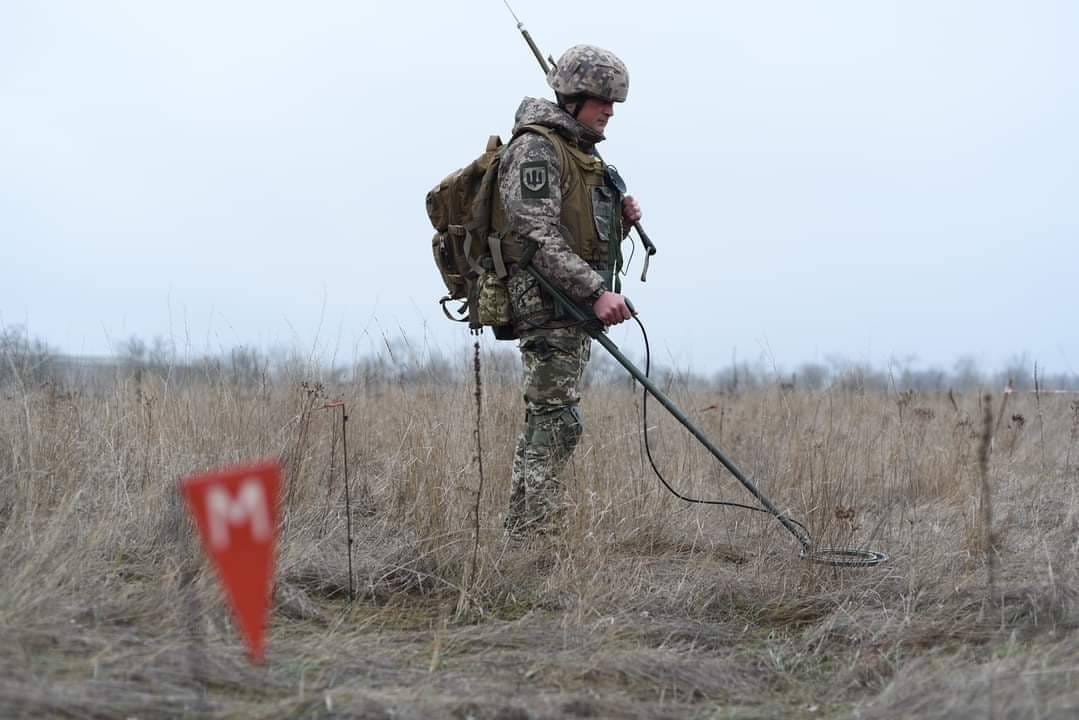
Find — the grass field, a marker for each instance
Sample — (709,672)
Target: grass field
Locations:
(645,608)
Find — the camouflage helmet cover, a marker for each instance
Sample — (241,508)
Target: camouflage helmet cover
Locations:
(589,70)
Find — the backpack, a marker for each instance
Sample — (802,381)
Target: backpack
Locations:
(466,247)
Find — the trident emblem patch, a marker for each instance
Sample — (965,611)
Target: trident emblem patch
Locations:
(534,180)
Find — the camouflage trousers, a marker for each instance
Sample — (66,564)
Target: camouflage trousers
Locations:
(553,362)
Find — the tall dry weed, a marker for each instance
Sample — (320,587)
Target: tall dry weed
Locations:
(645,607)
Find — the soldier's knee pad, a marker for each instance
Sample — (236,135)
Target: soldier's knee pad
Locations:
(560,428)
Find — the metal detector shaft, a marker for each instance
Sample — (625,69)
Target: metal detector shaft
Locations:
(594,328)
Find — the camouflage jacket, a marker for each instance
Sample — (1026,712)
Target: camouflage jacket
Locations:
(537,219)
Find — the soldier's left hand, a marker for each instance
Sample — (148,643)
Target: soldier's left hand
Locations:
(631,211)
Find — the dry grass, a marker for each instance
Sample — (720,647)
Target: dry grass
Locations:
(646,608)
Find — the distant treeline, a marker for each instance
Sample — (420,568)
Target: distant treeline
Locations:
(30,361)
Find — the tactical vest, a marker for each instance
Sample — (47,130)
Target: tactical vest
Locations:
(591,219)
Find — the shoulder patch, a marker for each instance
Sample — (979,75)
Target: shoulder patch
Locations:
(535,180)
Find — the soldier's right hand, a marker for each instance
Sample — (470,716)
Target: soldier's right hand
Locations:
(611,309)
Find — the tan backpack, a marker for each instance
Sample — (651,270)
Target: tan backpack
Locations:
(466,246)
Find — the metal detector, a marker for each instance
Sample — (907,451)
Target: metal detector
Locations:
(840,557)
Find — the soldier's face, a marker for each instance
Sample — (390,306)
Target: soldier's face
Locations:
(595,113)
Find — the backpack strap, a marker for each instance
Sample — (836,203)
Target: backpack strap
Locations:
(467,246)
(494,242)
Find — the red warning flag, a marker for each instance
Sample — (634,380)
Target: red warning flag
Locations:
(236,513)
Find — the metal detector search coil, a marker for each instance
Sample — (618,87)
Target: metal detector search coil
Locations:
(844,557)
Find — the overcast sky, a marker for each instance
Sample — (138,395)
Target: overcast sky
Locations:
(874,180)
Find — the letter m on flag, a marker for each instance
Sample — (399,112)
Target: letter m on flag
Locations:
(235,511)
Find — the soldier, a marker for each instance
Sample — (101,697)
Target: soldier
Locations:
(555,195)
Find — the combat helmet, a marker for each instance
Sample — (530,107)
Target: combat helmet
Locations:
(589,70)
